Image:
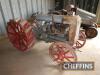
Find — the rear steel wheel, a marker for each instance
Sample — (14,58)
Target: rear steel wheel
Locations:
(20,34)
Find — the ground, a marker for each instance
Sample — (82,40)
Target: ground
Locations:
(38,62)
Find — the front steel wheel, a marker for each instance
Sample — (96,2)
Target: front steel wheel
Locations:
(61,52)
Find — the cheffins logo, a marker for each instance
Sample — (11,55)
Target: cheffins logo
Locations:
(78,66)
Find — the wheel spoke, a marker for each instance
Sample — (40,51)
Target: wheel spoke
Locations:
(56,57)
(67,52)
(66,55)
(68,59)
(79,43)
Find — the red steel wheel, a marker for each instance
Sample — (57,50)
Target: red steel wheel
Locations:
(20,34)
(62,52)
(81,41)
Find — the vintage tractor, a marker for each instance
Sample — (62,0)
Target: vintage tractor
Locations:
(63,32)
